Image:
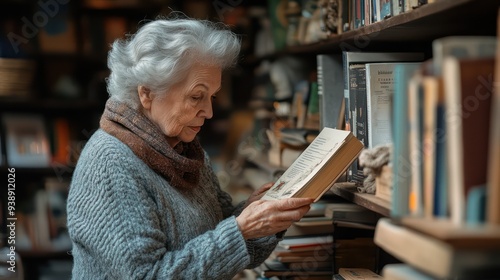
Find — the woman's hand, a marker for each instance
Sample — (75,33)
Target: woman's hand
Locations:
(267,217)
(256,195)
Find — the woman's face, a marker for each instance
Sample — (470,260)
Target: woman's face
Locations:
(181,112)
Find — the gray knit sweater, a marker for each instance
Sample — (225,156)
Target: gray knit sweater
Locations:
(127,222)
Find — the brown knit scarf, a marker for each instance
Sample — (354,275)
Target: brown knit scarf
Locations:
(180,166)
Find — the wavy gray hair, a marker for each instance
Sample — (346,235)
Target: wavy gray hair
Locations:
(162,51)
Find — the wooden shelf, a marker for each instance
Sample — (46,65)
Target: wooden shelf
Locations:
(419,26)
(349,192)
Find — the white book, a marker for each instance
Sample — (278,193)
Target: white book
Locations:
(380,85)
(318,167)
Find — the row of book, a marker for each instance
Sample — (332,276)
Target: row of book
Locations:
(311,21)
(333,235)
(435,113)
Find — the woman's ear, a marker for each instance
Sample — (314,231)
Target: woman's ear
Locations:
(145,96)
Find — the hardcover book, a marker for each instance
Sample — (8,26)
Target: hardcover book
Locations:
(468,91)
(318,167)
(380,85)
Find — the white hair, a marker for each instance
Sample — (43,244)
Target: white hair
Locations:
(162,51)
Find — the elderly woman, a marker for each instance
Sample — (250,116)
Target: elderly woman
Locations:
(144,202)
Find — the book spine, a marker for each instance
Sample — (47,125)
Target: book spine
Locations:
(330,83)
(400,154)
(347,101)
(361,107)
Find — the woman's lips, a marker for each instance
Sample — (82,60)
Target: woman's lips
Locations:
(195,128)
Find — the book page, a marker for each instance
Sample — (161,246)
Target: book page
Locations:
(308,164)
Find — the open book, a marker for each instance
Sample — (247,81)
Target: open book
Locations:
(318,166)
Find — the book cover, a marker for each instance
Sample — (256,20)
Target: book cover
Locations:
(318,167)
(330,90)
(468,90)
(380,86)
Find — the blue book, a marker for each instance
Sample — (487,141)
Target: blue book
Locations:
(476,205)
(441,174)
(401,163)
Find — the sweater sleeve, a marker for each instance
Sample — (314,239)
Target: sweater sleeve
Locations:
(259,249)
(114,221)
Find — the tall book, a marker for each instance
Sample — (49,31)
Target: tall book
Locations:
(493,185)
(434,174)
(330,90)
(357,82)
(318,167)
(415,134)
(468,92)
(405,79)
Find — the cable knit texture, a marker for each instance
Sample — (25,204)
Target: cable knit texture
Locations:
(127,221)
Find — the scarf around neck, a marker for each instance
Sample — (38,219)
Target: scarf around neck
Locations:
(180,166)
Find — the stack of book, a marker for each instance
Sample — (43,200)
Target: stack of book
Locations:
(307,247)
(334,234)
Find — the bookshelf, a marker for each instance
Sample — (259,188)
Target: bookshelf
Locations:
(413,30)
(349,192)
(67,85)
